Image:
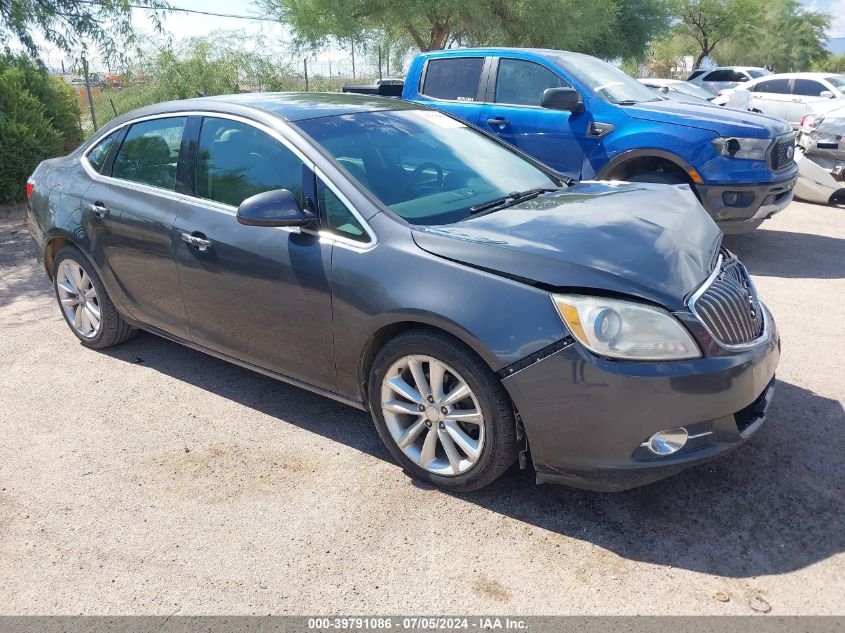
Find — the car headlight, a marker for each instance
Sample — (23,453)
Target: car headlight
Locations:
(625,329)
(747,148)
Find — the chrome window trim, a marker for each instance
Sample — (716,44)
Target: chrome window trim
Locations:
(764,335)
(325,236)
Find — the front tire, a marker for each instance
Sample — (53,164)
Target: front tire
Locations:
(441,411)
(84,302)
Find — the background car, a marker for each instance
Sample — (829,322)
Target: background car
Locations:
(789,96)
(678,90)
(722,77)
(690,93)
(588,120)
(821,157)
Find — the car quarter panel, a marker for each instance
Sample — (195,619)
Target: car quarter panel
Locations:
(501,320)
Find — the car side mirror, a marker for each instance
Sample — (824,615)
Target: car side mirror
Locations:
(562,99)
(278,207)
(664,90)
(743,79)
(826,94)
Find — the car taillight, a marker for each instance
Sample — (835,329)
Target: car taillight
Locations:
(30,185)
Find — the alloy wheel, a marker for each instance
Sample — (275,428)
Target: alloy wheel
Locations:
(78,298)
(432,415)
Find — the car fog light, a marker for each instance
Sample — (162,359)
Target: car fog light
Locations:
(667,441)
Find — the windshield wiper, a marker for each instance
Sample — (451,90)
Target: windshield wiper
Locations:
(510,199)
(625,102)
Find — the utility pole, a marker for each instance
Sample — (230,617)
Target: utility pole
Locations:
(379,62)
(305,66)
(88,90)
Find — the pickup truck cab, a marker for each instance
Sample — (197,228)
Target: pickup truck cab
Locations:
(589,120)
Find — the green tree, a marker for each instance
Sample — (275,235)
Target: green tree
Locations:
(609,28)
(71,24)
(710,22)
(222,63)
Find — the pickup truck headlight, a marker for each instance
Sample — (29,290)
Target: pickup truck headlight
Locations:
(747,148)
(625,329)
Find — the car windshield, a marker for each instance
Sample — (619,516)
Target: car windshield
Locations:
(425,166)
(756,73)
(607,81)
(837,81)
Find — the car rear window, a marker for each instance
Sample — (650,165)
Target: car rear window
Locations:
(696,73)
(455,79)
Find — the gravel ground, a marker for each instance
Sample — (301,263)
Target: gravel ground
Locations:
(152,479)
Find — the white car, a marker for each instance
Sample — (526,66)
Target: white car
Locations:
(685,91)
(821,157)
(789,96)
(717,79)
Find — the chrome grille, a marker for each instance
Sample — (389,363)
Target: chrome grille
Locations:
(782,152)
(728,305)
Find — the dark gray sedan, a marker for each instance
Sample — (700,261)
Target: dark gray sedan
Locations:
(481,307)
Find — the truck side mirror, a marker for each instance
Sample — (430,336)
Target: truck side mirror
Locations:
(562,99)
(826,94)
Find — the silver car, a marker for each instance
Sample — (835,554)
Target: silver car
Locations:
(717,79)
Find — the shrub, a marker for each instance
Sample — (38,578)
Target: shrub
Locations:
(39,118)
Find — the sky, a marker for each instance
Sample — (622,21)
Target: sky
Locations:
(183,25)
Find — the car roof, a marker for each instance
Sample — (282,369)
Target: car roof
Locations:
(707,70)
(290,106)
(806,75)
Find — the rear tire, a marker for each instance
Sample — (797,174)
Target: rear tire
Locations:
(436,397)
(84,302)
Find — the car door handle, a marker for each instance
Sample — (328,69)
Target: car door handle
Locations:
(98,209)
(201,243)
(499,122)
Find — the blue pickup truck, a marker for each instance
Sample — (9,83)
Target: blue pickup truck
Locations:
(589,120)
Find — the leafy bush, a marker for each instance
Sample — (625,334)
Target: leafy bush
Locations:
(39,118)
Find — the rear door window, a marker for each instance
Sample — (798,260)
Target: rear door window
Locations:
(454,78)
(521,82)
(773,86)
(150,152)
(808,88)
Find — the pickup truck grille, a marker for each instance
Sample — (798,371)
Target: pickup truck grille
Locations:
(728,305)
(782,152)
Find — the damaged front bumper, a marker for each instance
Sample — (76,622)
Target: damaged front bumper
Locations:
(821,161)
(588,419)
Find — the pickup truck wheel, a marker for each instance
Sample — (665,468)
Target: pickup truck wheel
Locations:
(84,302)
(441,411)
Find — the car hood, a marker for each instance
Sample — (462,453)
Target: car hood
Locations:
(652,241)
(721,120)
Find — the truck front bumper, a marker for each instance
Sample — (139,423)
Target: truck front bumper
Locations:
(588,420)
(738,208)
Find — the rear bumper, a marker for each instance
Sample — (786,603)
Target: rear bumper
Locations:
(587,418)
(739,208)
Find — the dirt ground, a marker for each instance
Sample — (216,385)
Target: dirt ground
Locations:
(152,479)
